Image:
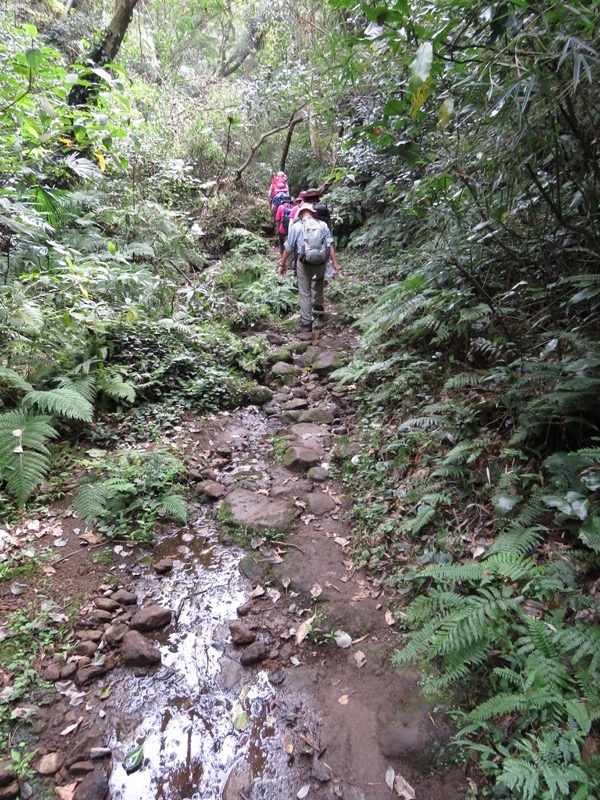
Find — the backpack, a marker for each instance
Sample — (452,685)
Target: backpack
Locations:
(278,184)
(316,251)
(323,212)
(285,219)
(280,197)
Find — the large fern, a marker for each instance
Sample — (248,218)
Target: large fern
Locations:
(23,453)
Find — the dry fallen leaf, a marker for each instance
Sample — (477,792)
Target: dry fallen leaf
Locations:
(304,629)
(389,617)
(343,700)
(286,744)
(360,658)
(71,728)
(403,789)
(316,590)
(258,592)
(341,541)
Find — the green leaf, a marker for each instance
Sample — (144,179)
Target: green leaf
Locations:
(62,402)
(240,723)
(134,759)
(33,56)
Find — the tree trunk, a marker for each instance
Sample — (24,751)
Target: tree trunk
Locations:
(288,141)
(240,170)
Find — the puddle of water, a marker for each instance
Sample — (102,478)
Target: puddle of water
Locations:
(184,713)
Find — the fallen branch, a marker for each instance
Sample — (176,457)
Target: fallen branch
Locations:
(259,142)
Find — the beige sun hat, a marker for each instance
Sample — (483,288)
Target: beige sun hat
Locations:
(306,207)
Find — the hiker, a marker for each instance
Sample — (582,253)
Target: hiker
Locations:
(313,241)
(278,184)
(282,221)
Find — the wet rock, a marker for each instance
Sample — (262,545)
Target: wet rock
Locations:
(244,609)
(10,791)
(124,597)
(258,395)
(297,404)
(90,636)
(115,633)
(87,674)
(138,651)
(318,474)
(254,512)
(163,566)
(106,603)
(151,618)
(50,763)
(320,772)
(81,768)
(85,648)
(300,458)
(94,786)
(212,489)
(256,652)
(81,750)
(52,673)
(240,634)
(277,676)
(320,503)
(100,752)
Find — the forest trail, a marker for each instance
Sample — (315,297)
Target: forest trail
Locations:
(316,717)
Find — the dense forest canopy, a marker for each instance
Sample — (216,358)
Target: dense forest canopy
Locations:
(459,144)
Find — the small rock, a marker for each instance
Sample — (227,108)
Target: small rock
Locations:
(90,636)
(50,763)
(163,566)
(300,458)
(277,676)
(52,673)
(195,475)
(138,651)
(94,786)
(244,609)
(212,489)
(151,618)
(81,767)
(256,652)
(320,503)
(318,474)
(124,597)
(297,404)
(7,774)
(100,752)
(85,648)
(240,634)
(87,674)
(340,430)
(10,791)
(317,415)
(100,617)
(284,371)
(115,633)
(320,772)
(68,671)
(26,791)
(106,603)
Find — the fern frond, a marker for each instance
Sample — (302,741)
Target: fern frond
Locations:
(115,387)
(91,501)
(175,506)
(23,453)
(65,402)
(8,377)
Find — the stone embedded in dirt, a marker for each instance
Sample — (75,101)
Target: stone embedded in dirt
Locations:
(50,763)
(85,648)
(52,673)
(151,618)
(277,676)
(292,489)
(224,450)
(343,449)
(90,636)
(320,503)
(106,603)
(318,415)
(82,747)
(255,512)
(256,652)
(68,671)
(99,617)
(163,566)
(81,768)
(318,393)
(296,404)
(308,430)
(87,674)
(195,475)
(10,791)
(94,786)
(320,772)
(328,360)
(124,597)
(318,474)
(245,608)
(292,416)
(114,633)
(281,397)
(7,774)
(258,395)
(139,651)
(284,372)
(212,489)
(340,430)
(240,634)
(300,458)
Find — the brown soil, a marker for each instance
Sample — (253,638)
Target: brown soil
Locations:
(368,715)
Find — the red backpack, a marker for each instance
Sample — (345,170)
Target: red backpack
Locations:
(278,184)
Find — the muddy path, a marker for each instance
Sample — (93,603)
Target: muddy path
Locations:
(263,663)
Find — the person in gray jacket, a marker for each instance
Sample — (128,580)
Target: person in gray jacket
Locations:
(312,240)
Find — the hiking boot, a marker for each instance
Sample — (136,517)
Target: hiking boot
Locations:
(306,328)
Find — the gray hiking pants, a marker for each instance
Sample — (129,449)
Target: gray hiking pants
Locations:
(311,293)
